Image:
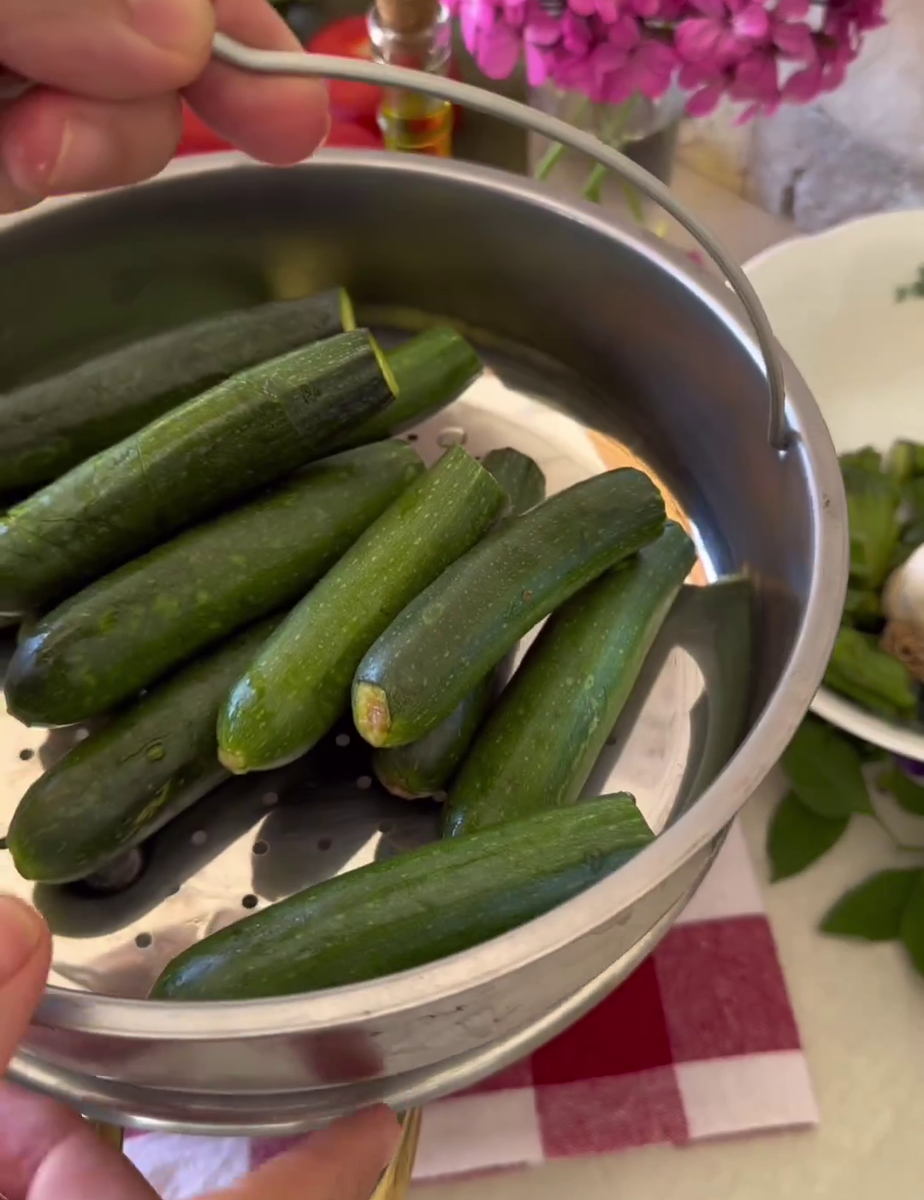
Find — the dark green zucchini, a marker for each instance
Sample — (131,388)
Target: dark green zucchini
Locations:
(431,370)
(50,426)
(520,477)
(123,632)
(424,768)
(124,782)
(412,909)
(300,684)
(538,747)
(242,435)
(452,635)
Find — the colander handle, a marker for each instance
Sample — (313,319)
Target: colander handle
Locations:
(274,62)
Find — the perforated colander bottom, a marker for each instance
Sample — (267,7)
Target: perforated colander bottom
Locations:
(259,838)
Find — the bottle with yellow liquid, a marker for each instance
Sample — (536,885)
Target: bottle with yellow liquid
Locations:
(415,34)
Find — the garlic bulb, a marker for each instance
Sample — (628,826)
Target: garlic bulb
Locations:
(903,595)
(903,606)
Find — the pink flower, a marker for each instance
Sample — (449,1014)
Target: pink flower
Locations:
(726,32)
(488,35)
(611,50)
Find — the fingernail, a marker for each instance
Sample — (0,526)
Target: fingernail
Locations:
(20,935)
(85,157)
(172,24)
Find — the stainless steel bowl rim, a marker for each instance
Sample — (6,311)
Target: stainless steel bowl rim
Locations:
(215,1021)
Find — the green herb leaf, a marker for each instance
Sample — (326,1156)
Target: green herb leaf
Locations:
(908,794)
(860,670)
(863,609)
(913,508)
(873,910)
(905,460)
(826,771)
(798,837)
(872,514)
(913,925)
(865,459)
(867,751)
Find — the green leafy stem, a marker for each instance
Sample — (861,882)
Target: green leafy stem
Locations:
(828,773)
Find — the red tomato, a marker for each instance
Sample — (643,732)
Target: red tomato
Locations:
(356,103)
(344,134)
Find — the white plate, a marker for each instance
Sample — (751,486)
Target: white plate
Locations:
(833,300)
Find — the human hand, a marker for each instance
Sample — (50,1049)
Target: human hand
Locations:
(48,1152)
(112,72)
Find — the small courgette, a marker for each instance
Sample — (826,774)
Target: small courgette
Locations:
(424,768)
(130,778)
(456,631)
(538,747)
(412,909)
(431,370)
(229,442)
(300,684)
(129,628)
(50,426)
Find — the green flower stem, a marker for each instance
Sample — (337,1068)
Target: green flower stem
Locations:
(549,161)
(594,184)
(556,150)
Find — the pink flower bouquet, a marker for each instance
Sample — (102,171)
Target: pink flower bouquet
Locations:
(758,53)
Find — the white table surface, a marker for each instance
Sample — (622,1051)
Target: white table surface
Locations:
(860,1009)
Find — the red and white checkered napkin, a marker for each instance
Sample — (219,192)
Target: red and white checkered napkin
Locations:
(700,1042)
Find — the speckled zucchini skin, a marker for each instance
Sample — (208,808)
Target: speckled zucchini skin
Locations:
(129,628)
(231,441)
(424,768)
(125,781)
(300,684)
(538,747)
(50,426)
(414,908)
(448,639)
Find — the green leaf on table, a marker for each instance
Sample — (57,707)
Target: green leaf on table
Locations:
(798,837)
(873,910)
(913,925)
(907,794)
(860,670)
(826,771)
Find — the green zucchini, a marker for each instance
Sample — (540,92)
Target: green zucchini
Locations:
(424,768)
(229,442)
(124,782)
(538,747)
(431,370)
(300,684)
(520,477)
(50,426)
(412,909)
(123,632)
(451,636)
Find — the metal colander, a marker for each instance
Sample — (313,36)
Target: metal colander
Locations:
(603,346)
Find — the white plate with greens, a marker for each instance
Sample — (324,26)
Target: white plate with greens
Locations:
(848,306)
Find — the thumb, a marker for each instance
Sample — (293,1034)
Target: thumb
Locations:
(25,956)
